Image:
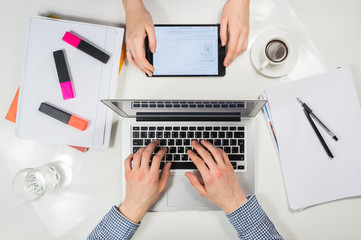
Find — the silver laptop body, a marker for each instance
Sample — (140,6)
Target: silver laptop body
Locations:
(226,123)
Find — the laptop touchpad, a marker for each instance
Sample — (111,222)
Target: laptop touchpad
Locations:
(183,194)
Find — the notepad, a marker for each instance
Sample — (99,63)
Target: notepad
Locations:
(310,176)
(92,80)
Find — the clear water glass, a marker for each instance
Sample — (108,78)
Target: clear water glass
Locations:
(31,184)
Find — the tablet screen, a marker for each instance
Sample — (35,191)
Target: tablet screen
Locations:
(186,50)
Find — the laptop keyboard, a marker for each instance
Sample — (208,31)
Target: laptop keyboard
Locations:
(178,140)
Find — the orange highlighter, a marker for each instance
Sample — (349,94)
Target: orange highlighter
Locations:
(63,117)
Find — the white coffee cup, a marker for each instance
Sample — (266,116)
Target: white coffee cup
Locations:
(276,52)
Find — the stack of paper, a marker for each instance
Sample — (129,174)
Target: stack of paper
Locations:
(92,80)
(311,176)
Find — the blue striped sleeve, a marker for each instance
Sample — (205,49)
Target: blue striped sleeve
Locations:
(251,222)
(114,226)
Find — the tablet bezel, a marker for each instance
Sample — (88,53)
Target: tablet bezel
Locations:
(221,51)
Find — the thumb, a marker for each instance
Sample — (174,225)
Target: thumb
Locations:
(164,176)
(223,31)
(196,183)
(151,38)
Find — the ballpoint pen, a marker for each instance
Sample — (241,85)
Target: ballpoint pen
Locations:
(309,110)
(308,113)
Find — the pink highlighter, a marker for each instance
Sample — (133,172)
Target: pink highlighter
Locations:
(86,47)
(63,75)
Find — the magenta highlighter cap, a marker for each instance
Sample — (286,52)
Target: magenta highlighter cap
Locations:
(71,39)
(67,90)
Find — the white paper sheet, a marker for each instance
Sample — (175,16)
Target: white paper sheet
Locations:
(91,82)
(311,177)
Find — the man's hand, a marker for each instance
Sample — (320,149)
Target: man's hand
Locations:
(234,28)
(143,184)
(220,186)
(139,24)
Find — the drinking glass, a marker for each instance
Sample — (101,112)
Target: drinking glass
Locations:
(30,184)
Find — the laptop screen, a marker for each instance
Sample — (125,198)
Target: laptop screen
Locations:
(194,108)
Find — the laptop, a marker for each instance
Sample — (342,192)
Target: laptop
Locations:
(175,123)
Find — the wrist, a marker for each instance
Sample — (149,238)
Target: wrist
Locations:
(133,213)
(240,1)
(130,4)
(234,204)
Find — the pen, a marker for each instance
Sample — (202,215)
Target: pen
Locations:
(309,110)
(318,134)
(270,123)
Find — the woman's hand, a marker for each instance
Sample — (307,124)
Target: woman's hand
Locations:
(139,24)
(234,28)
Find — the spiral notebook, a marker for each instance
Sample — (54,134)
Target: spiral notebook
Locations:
(310,176)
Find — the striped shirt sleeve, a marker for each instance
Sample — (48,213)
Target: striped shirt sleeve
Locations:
(251,222)
(114,226)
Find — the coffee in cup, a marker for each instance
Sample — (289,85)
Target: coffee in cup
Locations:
(275,53)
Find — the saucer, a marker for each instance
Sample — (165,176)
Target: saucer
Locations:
(274,70)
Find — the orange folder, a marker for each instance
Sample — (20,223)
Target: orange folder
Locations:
(11,115)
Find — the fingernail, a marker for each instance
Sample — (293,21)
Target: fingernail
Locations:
(153,50)
(223,43)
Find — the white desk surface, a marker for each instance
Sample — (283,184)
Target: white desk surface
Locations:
(334,28)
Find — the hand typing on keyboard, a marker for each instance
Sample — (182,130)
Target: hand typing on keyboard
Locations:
(220,182)
(144,183)
(144,186)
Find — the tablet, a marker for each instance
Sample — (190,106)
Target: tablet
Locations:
(187,50)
